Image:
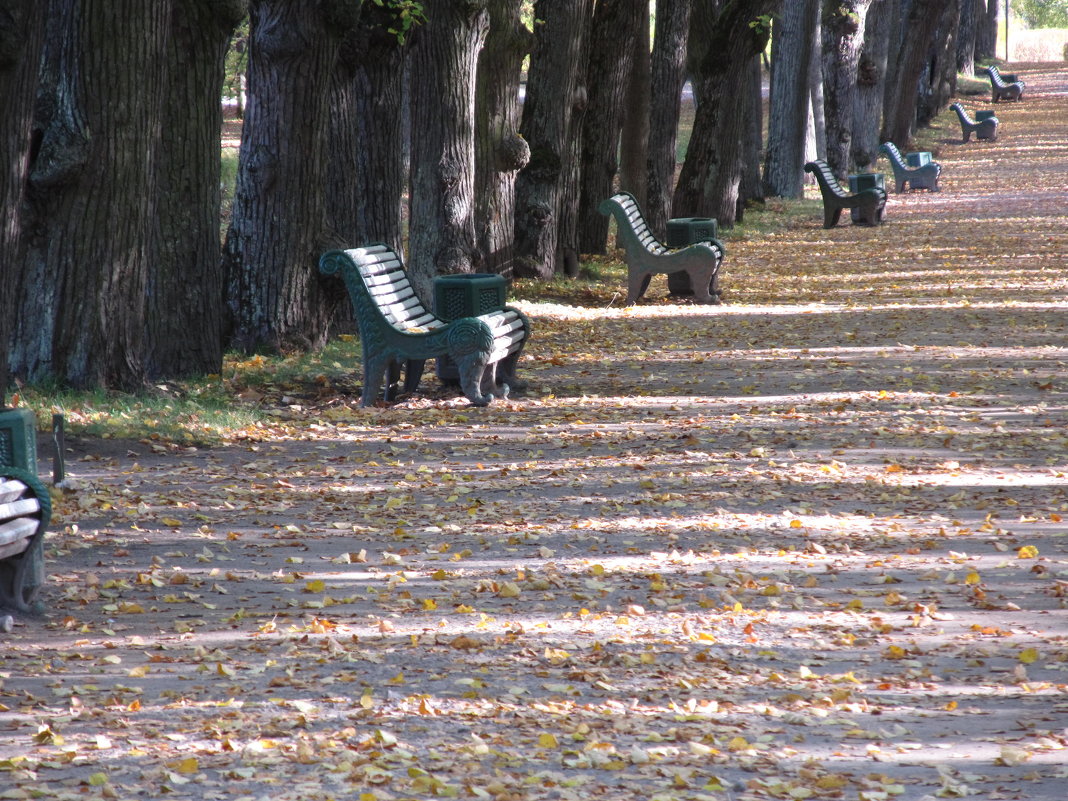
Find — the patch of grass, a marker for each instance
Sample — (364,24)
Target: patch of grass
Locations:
(240,403)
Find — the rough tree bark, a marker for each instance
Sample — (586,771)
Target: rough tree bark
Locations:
(843,37)
(750,186)
(552,113)
(711,174)
(184,298)
(442,220)
(367,178)
(92,194)
(871,82)
(21,39)
(970,12)
(500,152)
(667,76)
(278,227)
(612,43)
(634,137)
(791,57)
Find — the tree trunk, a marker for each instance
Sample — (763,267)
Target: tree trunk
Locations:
(918,26)
(816,137)
(938,81)
(871,83)
(710,177)
(277,231)
(843,37)
(92,194)
(791,57)
(667,77)
(442,221)
(184,300)
(612,44)
(21,38)
(634,137)
(970,11)
(751,189)
(986,31)
(500,152)
(552,113)
(367,176)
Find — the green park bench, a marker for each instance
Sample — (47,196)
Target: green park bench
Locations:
(869,203)
(924,176)
(648,256)
(396,330)
(1003,86)
(25,508)
(983,129)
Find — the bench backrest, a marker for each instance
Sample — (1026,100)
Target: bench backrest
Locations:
(892,153)
(381,279)
(828,183)
(632,222)
(964,117)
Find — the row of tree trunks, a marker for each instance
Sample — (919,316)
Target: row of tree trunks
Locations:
(21,39)
(553,111)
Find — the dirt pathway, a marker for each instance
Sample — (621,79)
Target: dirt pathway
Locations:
(810,544)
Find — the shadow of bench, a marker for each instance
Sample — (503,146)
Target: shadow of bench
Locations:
(983,129)
(1000,88)
(25,508)
(923,177)
(396,330)
(870,203)
(648,256)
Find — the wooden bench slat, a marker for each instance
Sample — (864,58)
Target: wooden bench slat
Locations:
(21,528)
(869,203)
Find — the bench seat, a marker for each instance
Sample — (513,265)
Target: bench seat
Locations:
(1000,88)
(983,129)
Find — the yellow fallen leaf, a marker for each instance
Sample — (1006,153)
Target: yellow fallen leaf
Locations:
(1029,655)
(547,740)
(316,585)
(170,521)
(972,578)
(186,766)
(1027,552)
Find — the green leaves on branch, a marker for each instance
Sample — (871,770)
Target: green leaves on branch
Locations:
(405,14)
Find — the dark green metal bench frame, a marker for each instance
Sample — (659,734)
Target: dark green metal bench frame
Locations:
(925,177)
(999,88)
(870,203)
(983,129)
(25,509)
(648,256)
(397,331)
